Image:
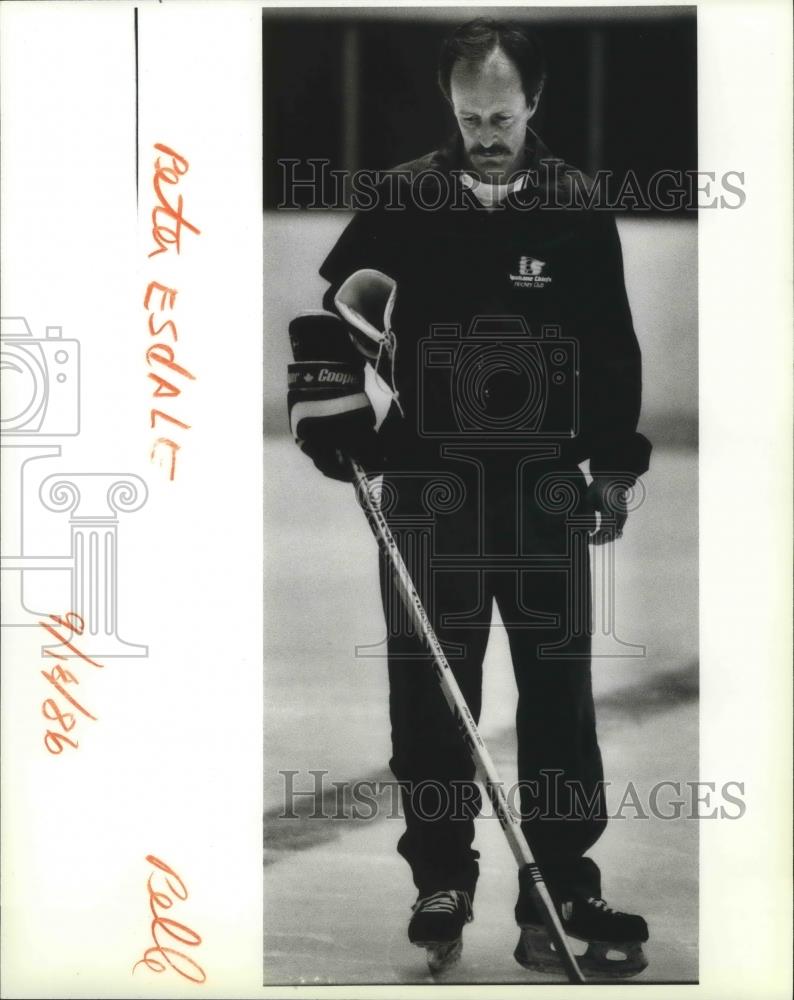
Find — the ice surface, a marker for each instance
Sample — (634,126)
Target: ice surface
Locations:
(337,896)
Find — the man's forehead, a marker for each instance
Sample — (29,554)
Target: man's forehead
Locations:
(486,84)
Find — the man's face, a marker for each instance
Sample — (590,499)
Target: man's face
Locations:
(492,115)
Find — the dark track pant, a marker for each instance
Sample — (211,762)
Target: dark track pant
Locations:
(520,554)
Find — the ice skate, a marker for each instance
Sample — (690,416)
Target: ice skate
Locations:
(437,926)
(614,940)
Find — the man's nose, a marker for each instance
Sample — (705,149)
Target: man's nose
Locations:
(487,136)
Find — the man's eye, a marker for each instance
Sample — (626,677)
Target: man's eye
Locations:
(503,119)
(470,120)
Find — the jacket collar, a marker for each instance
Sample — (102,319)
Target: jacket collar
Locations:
(545,170)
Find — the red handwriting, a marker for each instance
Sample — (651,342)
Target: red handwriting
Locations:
(59,676)
(161,956)
(166,372)
(168,232)
(161,357)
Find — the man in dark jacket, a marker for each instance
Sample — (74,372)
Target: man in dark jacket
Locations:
(502,327)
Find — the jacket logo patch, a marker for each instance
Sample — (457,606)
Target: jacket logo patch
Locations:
(530,273)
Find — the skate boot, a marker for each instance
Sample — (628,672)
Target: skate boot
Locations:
(614,940)
(437,925)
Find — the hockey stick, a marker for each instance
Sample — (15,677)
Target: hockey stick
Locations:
(468,729)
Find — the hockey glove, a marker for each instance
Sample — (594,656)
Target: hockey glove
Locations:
(607,496)
(366,301)
(330,414)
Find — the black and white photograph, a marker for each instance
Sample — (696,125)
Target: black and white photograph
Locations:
(395,498)
(481,711)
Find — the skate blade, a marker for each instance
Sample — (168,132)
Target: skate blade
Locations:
(535,952)
(441,955)
(600,960)
(613,960)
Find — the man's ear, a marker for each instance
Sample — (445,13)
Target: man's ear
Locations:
(533,106)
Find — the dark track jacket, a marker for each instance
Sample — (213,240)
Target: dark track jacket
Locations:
(510,324)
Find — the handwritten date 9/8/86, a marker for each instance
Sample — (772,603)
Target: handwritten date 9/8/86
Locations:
(165,888)
(58,676)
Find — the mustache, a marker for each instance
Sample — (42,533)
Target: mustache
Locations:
(491,151)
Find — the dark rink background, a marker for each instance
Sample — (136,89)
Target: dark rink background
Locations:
(360,92)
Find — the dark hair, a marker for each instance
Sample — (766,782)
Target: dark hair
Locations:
(476,39)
